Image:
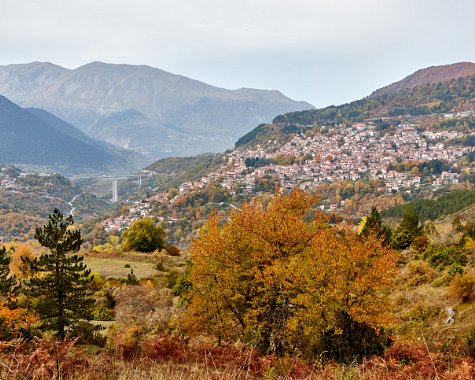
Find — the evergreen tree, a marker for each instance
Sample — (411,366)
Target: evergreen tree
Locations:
(408,230)
(61,278)
(374,226)
(7,282)
(410,221)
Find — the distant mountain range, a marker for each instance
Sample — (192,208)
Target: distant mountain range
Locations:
(35,138)
(143,108)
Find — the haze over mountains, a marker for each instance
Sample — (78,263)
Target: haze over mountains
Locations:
(36,138)
(143,108)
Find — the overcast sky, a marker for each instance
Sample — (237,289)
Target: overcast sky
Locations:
(322,51)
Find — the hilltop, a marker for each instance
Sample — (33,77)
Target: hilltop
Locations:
(429,75)
(143,108)
(453,95)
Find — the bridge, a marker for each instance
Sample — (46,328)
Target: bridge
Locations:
(114,179)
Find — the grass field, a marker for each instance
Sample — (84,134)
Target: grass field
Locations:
(115,267)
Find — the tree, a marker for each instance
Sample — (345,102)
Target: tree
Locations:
(373,225)
(408,230)
(60,278)
(143,236)
(7,281)
(280,278)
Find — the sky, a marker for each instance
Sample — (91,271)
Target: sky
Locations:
(321,51)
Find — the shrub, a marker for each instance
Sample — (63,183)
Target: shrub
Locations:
(402,239)
(470,340)
(146,306)
(172,278)
(102,313)
(419,272)
(462,286)
(442,256)
(144,236)
(172,250)
(355,341)
(421,243)
(132,278)
(422,313)
(88,333)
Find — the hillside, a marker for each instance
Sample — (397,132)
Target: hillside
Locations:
(429,75)
(144,108)
(38,139)
(173,171)
(124,160)
(27,199)
(454,95)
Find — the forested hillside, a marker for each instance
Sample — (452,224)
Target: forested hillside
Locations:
(451,96)
(26,199)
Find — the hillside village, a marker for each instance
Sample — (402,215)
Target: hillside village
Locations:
(358,152)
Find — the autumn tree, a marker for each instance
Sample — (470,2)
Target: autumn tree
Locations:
(59,283)
(143,236)
(281,278)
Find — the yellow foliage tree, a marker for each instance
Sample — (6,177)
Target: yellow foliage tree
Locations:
(280,277)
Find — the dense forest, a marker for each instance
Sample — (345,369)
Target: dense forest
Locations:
(431,209)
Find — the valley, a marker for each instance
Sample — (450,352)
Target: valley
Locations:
(328,243)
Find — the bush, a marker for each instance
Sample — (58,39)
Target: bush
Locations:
(471,342)
(172,278)
(143,236)
(102,313)
(355,341)
(402,239)
(146,306)
(463,287)
(89,334)
(419,272)
(442,256)
(172,250)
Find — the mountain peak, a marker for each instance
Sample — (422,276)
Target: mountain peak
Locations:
(430,75)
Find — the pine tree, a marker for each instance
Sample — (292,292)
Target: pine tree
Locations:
(374,226)
(408,230)
(410,221)
(61,278)
(7,282)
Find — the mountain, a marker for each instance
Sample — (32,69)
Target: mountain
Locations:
(429,75)
(37,138)
(125,160)
(143,108)
(453,95)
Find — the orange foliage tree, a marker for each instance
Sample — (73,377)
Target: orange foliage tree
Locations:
(280,277)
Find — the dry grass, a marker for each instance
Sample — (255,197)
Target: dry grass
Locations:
(115,267)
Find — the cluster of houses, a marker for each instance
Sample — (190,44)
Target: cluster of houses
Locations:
(360,152)
(357,153)
(137,211)
(7,182)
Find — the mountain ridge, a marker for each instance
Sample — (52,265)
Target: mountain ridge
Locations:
(177,114)
(35,137)
(429,75)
